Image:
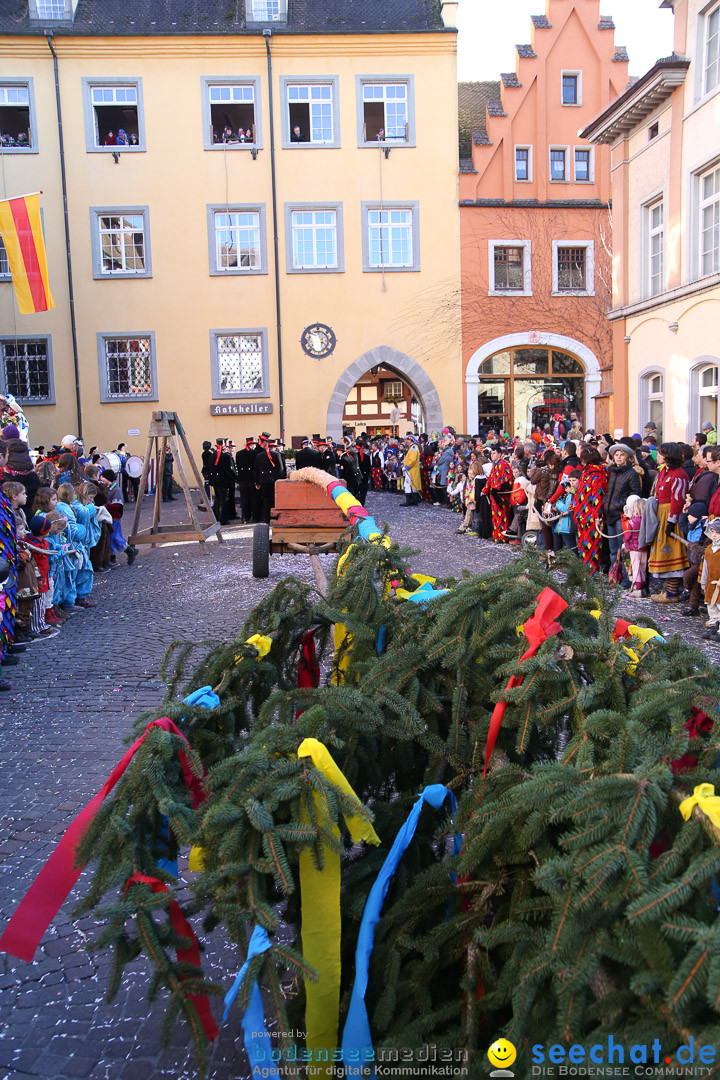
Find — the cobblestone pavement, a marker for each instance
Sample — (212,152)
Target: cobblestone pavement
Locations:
(61,731)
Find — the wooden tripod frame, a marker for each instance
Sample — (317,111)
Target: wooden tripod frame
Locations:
(165,428)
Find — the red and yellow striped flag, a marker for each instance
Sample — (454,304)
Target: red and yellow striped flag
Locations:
(21,231)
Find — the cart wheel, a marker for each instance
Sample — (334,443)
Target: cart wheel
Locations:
(261,550)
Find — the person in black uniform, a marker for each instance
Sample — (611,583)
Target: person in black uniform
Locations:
(329,457)
(267,470)
(244,465)
(364,468)
(348,470)
(229,450)
(222,478)
(279,449)
(308,457)
(207,459)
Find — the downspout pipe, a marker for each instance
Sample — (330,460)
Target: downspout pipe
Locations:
(278,319)
(73,326)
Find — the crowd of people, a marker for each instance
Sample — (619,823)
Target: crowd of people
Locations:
(60,525)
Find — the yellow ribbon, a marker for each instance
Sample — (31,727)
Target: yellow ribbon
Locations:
(643,634)
(705,798)
(320,901)
(197,858)
(262,644)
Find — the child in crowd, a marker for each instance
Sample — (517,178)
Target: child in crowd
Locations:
(64,564)
(115,505)
(78,534)
(100,553)
(469,524)
(518,500)
(43,623)
(564,527)
(456,489)
(631,522)
(16,495)
(86,515)
(710,579)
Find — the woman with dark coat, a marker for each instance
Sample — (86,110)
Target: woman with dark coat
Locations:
(623,480)
(545,478)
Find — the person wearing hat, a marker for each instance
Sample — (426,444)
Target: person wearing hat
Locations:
(329,456)
(362,457)
(222,478)
(308,457)
(623,480)
(348,468)
(207,459)
(267,468)
(411,472)
(279,448)
(244,467)
(668,559)
(710,433)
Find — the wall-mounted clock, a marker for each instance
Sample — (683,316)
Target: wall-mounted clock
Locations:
(318,340)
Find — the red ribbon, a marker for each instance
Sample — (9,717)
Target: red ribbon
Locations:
(308,667)
(191,955)
(538,628)
(622,629)
(52,886)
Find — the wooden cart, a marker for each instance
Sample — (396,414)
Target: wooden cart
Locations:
(305,521)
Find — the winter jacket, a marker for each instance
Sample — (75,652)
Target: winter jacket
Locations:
(622,482)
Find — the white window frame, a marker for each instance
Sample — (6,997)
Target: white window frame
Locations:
(96,213)
(362,81)
(526,290)
(578,76)
(236,208)
(5,274)
(207,83)
(255,16)
(263,391)
(698,391)
(21,338)
(333,82)
(704,27)
(648,232)
(106,397)
(646,395)
(700,204)
(528,147)
(293,208)
(414,265)
(566,152)
(589,246)
(91,132)
(590,150)
(14,84)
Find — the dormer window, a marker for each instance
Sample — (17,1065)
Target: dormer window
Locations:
(266,11)
(52,10)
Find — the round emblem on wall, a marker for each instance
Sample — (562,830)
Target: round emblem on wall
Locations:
(318,340)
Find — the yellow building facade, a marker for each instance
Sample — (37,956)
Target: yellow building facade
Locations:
(179,301)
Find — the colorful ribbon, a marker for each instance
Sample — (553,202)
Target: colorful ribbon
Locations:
(537,629)
(320,901)
(261,643)
(189,955)
(706,800)
(357,1039)
(255,1034)
(206,698)
(53,884)
(624,629)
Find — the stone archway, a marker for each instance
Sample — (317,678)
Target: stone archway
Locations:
(384,356)
(557,341)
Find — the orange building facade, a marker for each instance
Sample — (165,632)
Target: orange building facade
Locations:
(535,229)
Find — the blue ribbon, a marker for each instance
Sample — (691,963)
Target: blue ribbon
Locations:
(257,1040)
(356,1039)
(426,592)
(367,526)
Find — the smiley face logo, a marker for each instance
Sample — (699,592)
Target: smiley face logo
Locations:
(502,1054)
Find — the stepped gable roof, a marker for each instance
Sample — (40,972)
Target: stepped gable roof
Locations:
(606,23)
(509,78)
(133,18)
(526,52)
(540,22)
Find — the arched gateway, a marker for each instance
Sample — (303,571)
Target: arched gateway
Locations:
(412,373)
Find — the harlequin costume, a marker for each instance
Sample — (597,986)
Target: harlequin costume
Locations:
(8,550)
(500,480)
(588,506)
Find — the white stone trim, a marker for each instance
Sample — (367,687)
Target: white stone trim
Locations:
(593,375)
